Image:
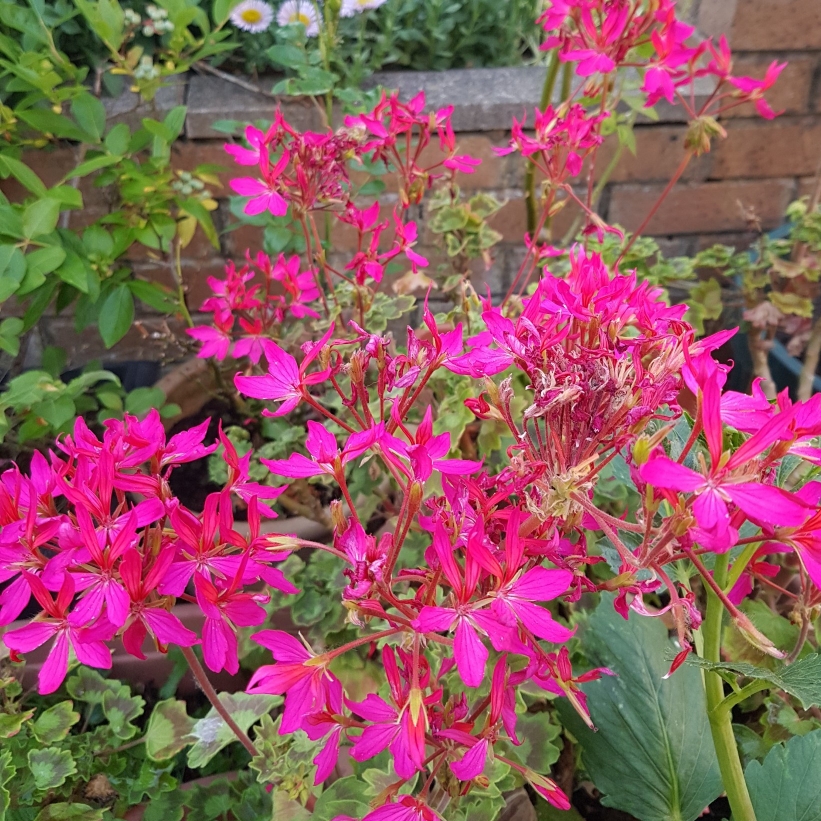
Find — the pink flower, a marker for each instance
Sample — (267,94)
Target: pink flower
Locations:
(300,675)
(248,156)
(327,458)
(88,643)
(285,381)
(399,727)
(264,196)
(149,617)
(225,609)
(406,808)
(753,90)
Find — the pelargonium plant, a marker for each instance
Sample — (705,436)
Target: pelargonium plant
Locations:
(578,371)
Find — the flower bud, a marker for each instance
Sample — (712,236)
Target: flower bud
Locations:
(338,517)
(756,637)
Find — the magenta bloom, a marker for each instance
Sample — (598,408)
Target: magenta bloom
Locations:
(406,809)
(285,381)
(302,677)
(248,156)
(264,197)
(426,453)
(753,90)
(327,458)
(88,643)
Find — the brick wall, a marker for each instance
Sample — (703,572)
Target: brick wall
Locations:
(760,168)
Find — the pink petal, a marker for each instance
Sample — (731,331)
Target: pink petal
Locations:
(542,584)
(539,621)
(470,653)
(472,762)
(55,667)
(665,473)
(434,619)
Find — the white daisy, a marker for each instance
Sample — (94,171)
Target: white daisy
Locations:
(353,7)
(252,15)
(299,11)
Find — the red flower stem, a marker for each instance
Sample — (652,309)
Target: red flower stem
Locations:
(626,555)
(668,188)
(309,248)
(714,585)
(317,546)
(332,654)
(326,413)
(211,694)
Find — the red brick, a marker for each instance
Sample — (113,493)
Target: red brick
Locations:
(785,147)
(790,94)
(697,208)
(788,25)
(807,187)
(659,151)
(52,165)
(186,155)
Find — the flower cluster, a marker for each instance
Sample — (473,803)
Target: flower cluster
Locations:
(246,312)
(96,537)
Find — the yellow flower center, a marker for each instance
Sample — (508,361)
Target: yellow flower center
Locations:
(300,17)
(251,16)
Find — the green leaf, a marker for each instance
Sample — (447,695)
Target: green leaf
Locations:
(221,10)
(74,272)
(141,400)
(63,811)
(50,767)
(286,809)
(287,55)
(49,122)
(56,411)
(116,315)
(169,730)
(212,733)
(7,772)
(157,296)
(89,686)
(55,723)
(538,735)
(801,679)
(121,709)
(12,270)
(118,138)
(94,164)
(10,330)
(12,723)
(23,174)
(40,218)
(90,115)
(653,755)
(343,797)
(787,785)
(44,260)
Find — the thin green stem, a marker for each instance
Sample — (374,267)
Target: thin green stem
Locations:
(530,172)
(743,694)
(729,762)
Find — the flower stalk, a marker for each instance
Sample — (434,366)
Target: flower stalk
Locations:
(720,716)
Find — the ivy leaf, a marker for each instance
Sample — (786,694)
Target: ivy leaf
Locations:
(55,723)
(7,772)
(64,811)
(169,730)
(12,723)
(212,733)
(121,709)
(286,809)
(801,679)
(538,735)
(50,767)
(653,755)
(787,785)
(343,797)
